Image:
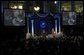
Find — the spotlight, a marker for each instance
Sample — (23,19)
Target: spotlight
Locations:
(20,7)
(14,7)
(55,2)
(37,8)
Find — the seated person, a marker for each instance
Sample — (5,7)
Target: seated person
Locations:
(28,35)
(53,33)
(43,33)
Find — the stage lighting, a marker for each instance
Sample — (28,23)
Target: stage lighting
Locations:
(42,24)
(55,2)
(37,8)
(20,7)
(14,7)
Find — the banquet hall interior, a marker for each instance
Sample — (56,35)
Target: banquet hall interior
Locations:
(41,27)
